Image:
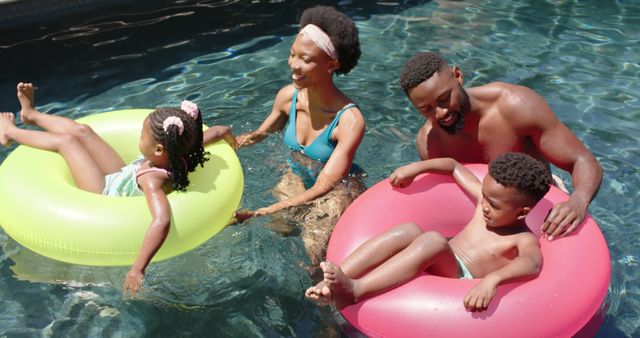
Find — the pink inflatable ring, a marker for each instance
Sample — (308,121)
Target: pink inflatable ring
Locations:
(566,296)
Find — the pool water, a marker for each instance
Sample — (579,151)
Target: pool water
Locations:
(230,57)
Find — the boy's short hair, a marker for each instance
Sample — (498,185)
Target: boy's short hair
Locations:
(419,68)
(522,172)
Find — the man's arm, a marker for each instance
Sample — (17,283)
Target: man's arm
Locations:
(560,146)
(421,141)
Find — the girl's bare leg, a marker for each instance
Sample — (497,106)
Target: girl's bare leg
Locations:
(84,169)
(426,250)
(102,153)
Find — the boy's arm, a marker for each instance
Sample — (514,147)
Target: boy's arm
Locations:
(527,264)
(404,175)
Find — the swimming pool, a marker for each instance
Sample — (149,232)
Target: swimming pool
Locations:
(230,57)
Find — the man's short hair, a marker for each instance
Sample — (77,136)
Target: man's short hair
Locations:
(522,172)
(419,68)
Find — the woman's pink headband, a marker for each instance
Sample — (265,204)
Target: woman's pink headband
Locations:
(321,39)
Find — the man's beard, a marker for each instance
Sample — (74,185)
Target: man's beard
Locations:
(464,108)
(457,126)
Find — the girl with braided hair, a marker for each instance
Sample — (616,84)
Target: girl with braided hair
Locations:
(171,144)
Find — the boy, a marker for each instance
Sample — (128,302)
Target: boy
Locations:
(496,246)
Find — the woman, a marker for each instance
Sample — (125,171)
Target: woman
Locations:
(322,127)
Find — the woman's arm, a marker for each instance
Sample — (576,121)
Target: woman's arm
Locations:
(404,175)
(350,132)
(151,184)
(275,120)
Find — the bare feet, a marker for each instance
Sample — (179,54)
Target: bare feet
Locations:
(25,96)
(320,294)
(6,122)
(341,286)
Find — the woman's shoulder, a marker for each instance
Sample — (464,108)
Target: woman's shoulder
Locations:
(286,93)
(352,113)
(285,97)
(352,123)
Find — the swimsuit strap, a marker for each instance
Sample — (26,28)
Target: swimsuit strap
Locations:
(144,171)
(292,108)
(290,134)
(322,146)
(336,120)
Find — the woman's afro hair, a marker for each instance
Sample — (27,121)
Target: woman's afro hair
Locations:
(341,30)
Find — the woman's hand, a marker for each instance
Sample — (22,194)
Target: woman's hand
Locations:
(243,215)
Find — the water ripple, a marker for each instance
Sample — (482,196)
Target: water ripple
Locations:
(581,57)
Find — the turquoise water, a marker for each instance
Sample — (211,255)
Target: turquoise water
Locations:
(230,57)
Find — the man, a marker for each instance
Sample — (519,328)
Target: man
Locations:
(480,123)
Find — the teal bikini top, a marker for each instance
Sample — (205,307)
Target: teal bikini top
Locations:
(322,147)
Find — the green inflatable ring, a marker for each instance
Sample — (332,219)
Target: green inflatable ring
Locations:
(43,210)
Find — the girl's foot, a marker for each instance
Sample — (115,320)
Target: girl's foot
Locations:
(6,122)
(25,96)
(341,286)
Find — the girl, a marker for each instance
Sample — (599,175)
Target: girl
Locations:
(171,144)
(323,127)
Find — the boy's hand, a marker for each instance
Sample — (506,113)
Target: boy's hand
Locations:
(133,282)
(478,298)
(402,176)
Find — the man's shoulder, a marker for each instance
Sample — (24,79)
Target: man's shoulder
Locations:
(516,104)
(506,86)
(425,141)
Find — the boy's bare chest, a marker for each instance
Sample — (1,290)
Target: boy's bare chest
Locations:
(486,247)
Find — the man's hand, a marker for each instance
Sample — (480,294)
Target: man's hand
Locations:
(564,218)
